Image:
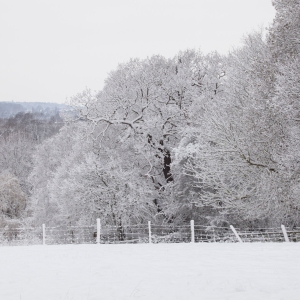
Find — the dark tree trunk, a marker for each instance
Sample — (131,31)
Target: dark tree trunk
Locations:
(159,209)
(167,166)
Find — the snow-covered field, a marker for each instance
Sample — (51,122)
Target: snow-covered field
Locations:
(157,271)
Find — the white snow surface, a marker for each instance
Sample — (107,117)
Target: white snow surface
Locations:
(151,271)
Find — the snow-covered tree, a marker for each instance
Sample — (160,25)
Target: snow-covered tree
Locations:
(237,155)
(46,160)
(146,104)
(283,36)
(96,189)
(76,182)
(19,135)
(12,198)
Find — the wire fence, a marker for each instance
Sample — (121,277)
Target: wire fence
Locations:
(21,236)
(144,233)
(269,235)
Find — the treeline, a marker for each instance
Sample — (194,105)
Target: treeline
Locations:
(206,137)
(19,137)
(46,110)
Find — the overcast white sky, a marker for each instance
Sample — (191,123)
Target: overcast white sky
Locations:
(53,49)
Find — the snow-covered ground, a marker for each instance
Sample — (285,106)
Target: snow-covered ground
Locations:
(157,271)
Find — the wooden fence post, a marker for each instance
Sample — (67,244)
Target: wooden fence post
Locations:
(149,230)
(286,238)
(236,234)
(98,231)
(192,232)
(44,234)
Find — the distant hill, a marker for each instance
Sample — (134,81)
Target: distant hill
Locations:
(10,109)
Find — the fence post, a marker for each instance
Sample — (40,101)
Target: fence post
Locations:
(192,232)
(98,231)
(44,234)
(149,229)
(236,234)
(285,233)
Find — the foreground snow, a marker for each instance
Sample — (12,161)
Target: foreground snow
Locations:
(143,271)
